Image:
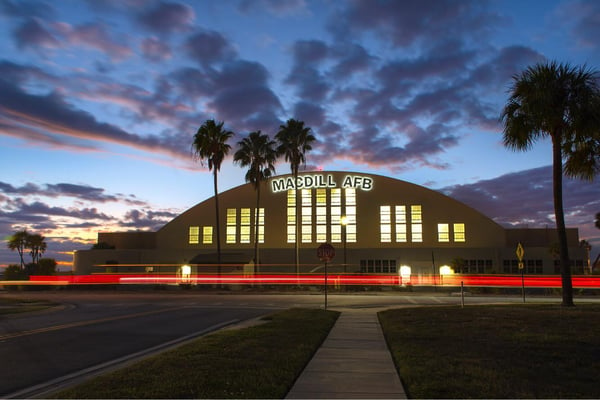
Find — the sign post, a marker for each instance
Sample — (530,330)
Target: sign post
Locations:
(520,252)
(326,252)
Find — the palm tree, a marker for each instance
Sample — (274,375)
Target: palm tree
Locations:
(37,245)
(258,153)
(210,144)
(294,141)
(560,102)
(18,242)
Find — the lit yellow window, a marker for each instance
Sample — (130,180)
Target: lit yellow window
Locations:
(417,232)
(321,215)
(336,233)
(306,215)
(244,234)
(443,233)
(231,233)
(400,212)
(194,235)
(321,233)
(245,216)
(350,196)
(291,216)
(306,233)
(306,197)
(291,234)
(291,198)
(207,235)
(385,224)
(321,197)
(416,227)
(459,233)
(261,225)
(336,197)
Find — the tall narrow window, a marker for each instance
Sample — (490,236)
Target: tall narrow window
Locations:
(385,224)
(350,208)
(261,225)
(459,233)
(400,224)
(336,215)
(443,233)
(321,213)
(291,216)
(307,218)
(245,225)
(231,226)
(194,235)
(207,235)
(416,223)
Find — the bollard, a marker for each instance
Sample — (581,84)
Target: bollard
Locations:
(462,294)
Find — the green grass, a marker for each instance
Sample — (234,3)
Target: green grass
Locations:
(15,306)
(524,351)
(262,361)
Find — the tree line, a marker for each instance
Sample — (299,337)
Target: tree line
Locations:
(35,244)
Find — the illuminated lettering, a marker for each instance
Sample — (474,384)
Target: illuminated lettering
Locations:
(320,181)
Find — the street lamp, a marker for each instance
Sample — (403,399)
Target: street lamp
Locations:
(344,222)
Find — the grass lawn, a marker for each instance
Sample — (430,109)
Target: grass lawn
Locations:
(529,351)
(262,361)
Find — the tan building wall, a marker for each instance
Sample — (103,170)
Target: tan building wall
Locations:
(485,242)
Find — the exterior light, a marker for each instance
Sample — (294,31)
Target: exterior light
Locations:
(446,270)
(405,272)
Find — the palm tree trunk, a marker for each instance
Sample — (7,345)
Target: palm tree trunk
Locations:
(565,266)
(218,226)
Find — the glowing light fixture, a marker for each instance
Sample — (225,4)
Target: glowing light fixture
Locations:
(405,272)
(446,270)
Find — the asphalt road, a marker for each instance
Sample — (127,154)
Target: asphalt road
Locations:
(93,331)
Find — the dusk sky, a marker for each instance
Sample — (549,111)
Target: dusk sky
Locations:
(100,99)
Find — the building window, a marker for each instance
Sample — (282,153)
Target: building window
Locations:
(207,235)
(307,218)
(400,224)
(261,225)
(459,232)
(385,224)
(245,225)
(291,216)
(321,215)
(378,266)
(350,208)
(416,226)
(194,235)
(231,226)
(443,233)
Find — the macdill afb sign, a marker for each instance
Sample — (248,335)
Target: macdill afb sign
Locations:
(320,181)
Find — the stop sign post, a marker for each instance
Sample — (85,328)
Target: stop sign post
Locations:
(326,252)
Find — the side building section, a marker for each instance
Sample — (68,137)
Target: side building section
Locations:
(377,225)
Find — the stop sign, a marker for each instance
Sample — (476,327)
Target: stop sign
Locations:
(326,252)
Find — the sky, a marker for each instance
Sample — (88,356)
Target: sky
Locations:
(100,99)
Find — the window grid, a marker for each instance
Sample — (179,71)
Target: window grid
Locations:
(231,226)
(443,233)
(400,212)
(291,216)
(385,224)
(207,235)
(416,219)
(245,225)
(307,219)
(194,235)
(459,232)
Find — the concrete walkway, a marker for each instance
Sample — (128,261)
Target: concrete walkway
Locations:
(353,362)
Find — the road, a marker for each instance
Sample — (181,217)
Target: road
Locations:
(95,330)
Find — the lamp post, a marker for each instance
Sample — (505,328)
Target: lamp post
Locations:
(344,222)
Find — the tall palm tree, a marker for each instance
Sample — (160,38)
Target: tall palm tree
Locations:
(258,153)
(294,141)
(18,242)
(560,102)
(210,145)
(37,246)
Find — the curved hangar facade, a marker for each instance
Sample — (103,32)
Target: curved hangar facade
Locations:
(377,225)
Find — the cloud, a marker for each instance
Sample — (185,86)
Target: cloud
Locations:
(209,47)
(155,50)
(33,34)
(168,17)
(95,36)
(19,8)
(279,8)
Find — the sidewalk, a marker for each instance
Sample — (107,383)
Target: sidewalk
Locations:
(353,362)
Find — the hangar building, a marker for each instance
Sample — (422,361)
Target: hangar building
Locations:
(377,225)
